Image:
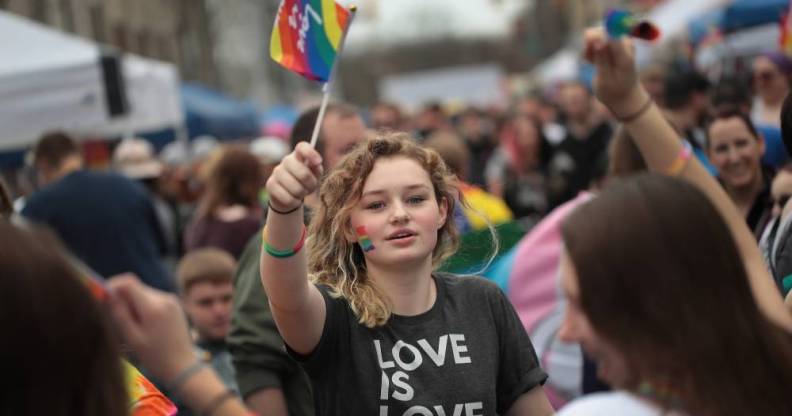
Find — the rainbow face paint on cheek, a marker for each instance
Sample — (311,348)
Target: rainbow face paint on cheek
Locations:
(363,239)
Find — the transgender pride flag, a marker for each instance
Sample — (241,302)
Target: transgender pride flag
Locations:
(308,35)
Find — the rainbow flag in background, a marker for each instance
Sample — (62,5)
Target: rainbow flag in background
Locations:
(785,38)
(307,36)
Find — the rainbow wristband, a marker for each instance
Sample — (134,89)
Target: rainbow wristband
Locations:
(679,163)
(282,254)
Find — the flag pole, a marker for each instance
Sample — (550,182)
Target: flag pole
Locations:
(326,86)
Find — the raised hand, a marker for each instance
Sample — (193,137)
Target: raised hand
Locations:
(616,79)
(295,177)
(153,324)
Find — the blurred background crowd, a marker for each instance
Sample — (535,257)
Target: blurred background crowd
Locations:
(143,132)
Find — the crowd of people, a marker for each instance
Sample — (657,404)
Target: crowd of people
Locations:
(274,278)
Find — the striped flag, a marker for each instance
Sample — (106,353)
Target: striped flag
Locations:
(785,39)
(307,36)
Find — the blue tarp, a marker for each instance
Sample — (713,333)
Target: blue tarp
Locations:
(746,13)
(209,112)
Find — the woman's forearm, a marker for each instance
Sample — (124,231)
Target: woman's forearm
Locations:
(661,146)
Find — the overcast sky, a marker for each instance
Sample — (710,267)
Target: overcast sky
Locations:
(382,22)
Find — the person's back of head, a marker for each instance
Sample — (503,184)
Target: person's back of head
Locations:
(669,291)
(53,148)
(235,178)
(59,354)
(680,86)
(51,152)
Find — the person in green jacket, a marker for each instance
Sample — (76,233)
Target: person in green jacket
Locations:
(269,380)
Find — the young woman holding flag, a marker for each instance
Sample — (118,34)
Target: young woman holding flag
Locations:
(376,328)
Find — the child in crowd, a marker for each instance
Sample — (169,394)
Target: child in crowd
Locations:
(204,277)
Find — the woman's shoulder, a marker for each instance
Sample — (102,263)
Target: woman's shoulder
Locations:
(611,403)
(469,285)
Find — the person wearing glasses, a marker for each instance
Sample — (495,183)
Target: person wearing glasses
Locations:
(771,74)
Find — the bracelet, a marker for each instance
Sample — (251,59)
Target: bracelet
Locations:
(635,115)
(681,160)
(282,254)
(283,212)
(217,402)
(185,374)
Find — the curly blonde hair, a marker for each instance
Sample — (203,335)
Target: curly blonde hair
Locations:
(338,263)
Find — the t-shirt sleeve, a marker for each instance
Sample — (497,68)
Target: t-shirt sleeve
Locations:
(518,366)
(34,210)
(335,329)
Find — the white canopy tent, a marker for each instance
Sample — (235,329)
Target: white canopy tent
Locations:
(50,80)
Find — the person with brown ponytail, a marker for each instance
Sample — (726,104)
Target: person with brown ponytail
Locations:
(668,290)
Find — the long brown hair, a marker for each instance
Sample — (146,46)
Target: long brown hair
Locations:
(234,178)
(336,262)
(58,353)
(660,277)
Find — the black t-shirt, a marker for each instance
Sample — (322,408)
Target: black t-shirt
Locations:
(468,355)
(574,163)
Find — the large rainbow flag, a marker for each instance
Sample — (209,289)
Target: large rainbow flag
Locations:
(307,36)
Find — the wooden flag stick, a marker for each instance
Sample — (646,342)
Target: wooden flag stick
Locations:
(326,86)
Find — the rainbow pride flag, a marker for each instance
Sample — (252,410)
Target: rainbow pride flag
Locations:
(785,37)
(307,36)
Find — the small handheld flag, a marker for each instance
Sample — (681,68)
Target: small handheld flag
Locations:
(619,23)
(308,35)
(363,239)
